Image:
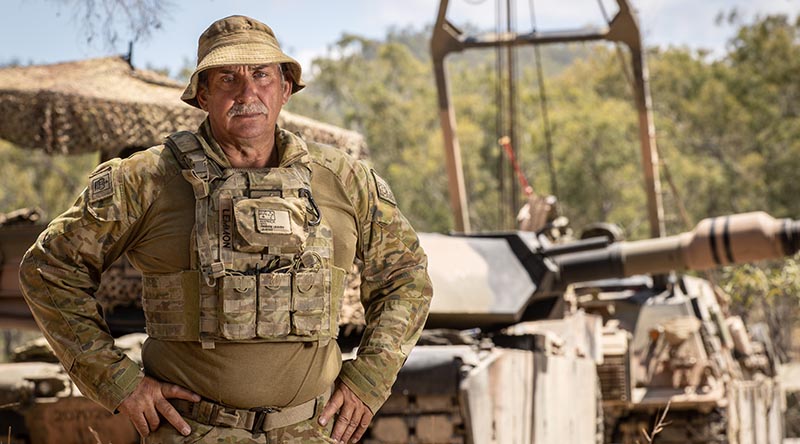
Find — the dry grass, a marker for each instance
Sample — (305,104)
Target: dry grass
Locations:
(96,436)
(658,427)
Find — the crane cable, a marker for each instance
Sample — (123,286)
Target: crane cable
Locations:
(499,124)
(505,99)
(548,139)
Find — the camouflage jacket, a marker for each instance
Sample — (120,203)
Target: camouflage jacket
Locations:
(61,271)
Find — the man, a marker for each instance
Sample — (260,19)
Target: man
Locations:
(242,232)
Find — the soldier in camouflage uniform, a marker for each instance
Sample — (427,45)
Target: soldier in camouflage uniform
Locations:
(242,232)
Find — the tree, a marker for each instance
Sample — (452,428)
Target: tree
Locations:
(769,293)
(112,21)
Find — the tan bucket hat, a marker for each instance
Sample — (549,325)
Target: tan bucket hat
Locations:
(239,40)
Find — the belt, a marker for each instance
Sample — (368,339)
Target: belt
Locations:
(256,420)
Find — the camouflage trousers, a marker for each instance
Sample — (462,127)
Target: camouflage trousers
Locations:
(308,431)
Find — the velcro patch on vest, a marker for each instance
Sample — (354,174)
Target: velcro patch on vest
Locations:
(273,221)
(384,192)
(101,186)
(226,229)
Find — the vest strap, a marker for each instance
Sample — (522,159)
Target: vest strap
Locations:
(188,149)
(199,172)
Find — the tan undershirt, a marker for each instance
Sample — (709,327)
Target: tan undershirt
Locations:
(246,375)
(242,375)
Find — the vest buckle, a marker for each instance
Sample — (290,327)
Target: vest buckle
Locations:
(212,272)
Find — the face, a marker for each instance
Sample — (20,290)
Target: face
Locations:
(243,102)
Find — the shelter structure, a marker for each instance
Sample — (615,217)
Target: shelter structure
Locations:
(106,105)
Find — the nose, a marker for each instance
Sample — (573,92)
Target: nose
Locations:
(247,89)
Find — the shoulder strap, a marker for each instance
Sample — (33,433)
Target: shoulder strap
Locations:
(188,150)
(199,172)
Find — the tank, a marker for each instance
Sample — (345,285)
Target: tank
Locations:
(40,404)
(676,348)
(675,345)
(531,342)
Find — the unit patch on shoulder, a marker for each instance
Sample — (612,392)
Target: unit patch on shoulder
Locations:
(101,185)
(384,192)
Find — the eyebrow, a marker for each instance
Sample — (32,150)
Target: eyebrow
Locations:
(255,68)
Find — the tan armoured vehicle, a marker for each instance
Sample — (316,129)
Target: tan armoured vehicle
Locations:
(517,362)
(673,346)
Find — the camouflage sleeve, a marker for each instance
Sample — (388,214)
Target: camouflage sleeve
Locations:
(395,291)
(61,271)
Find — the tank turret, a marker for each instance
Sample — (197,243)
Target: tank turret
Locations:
(497,280)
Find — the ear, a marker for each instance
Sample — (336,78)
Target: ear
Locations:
(287,90)
(202,97)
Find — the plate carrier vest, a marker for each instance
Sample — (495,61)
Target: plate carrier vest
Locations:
(261,258)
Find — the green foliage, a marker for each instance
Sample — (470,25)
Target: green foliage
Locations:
(767,292)
(32,178)
(729,128)
(385,90)
(595,138)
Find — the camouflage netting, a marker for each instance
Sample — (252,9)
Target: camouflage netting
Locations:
(105,105)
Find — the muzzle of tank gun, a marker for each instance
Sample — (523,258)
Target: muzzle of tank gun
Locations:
(791,236)
(715,242)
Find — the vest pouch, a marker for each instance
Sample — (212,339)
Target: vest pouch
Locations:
(270,222)
(310,302)
(170,305)
(274,301)
(237,316)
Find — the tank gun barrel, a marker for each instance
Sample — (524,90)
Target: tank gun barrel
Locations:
(714,242)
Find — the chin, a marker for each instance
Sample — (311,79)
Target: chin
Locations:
(250,125)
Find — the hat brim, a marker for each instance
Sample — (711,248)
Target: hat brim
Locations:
(242,54)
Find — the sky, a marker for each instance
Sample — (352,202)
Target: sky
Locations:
(47,31)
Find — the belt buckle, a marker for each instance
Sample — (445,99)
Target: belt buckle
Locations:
(261,416)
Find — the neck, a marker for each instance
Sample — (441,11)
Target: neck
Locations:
(241,156)
(250,153)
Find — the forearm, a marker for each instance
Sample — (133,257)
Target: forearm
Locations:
(397,297)
(60,300)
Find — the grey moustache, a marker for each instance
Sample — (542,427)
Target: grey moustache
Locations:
(251,108)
